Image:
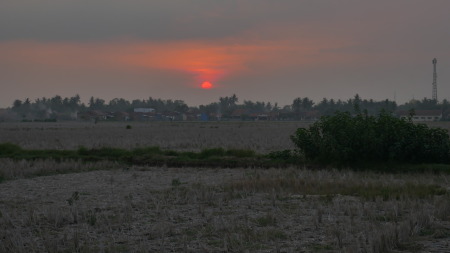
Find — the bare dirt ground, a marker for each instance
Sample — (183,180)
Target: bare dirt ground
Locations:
(144,209)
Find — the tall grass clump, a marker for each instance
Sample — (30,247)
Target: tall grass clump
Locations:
(344,138)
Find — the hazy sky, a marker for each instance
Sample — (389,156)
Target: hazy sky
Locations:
(258,49)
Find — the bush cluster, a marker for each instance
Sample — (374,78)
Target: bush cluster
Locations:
(344,138)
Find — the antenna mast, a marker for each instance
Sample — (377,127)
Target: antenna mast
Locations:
(434,80)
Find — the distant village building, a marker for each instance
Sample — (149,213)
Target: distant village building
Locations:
(122,116)
(422,115)
(144,110)
(240,113)
(247,114)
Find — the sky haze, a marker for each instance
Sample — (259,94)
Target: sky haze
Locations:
(258,49)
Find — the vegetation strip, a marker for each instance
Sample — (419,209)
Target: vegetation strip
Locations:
(213,157)
(217,157)
(327,189)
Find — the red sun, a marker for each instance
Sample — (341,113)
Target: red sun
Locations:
(207,85)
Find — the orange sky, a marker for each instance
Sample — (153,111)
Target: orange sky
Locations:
(257,49)
(202,60)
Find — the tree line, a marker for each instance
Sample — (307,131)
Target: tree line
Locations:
(45,108)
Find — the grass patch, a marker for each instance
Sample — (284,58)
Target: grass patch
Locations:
(147,151)
(370,191)
(176,182)
(387,192)
(240,153)
(211,152)
(9,149)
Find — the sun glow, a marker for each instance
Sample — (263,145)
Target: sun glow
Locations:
(195,63)
(206,85)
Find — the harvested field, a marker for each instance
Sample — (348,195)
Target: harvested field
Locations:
(261,137)
(223,210)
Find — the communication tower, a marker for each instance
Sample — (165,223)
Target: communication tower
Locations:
(434,80)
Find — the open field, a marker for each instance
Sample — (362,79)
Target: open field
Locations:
(106,207)
(261,137)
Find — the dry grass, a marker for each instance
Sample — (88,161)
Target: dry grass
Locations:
(223,210)
(11,169)
(261,137)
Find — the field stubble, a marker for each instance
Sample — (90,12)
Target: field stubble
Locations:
(225,210)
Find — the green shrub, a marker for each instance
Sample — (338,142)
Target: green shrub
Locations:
(344,138)
(281,155)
